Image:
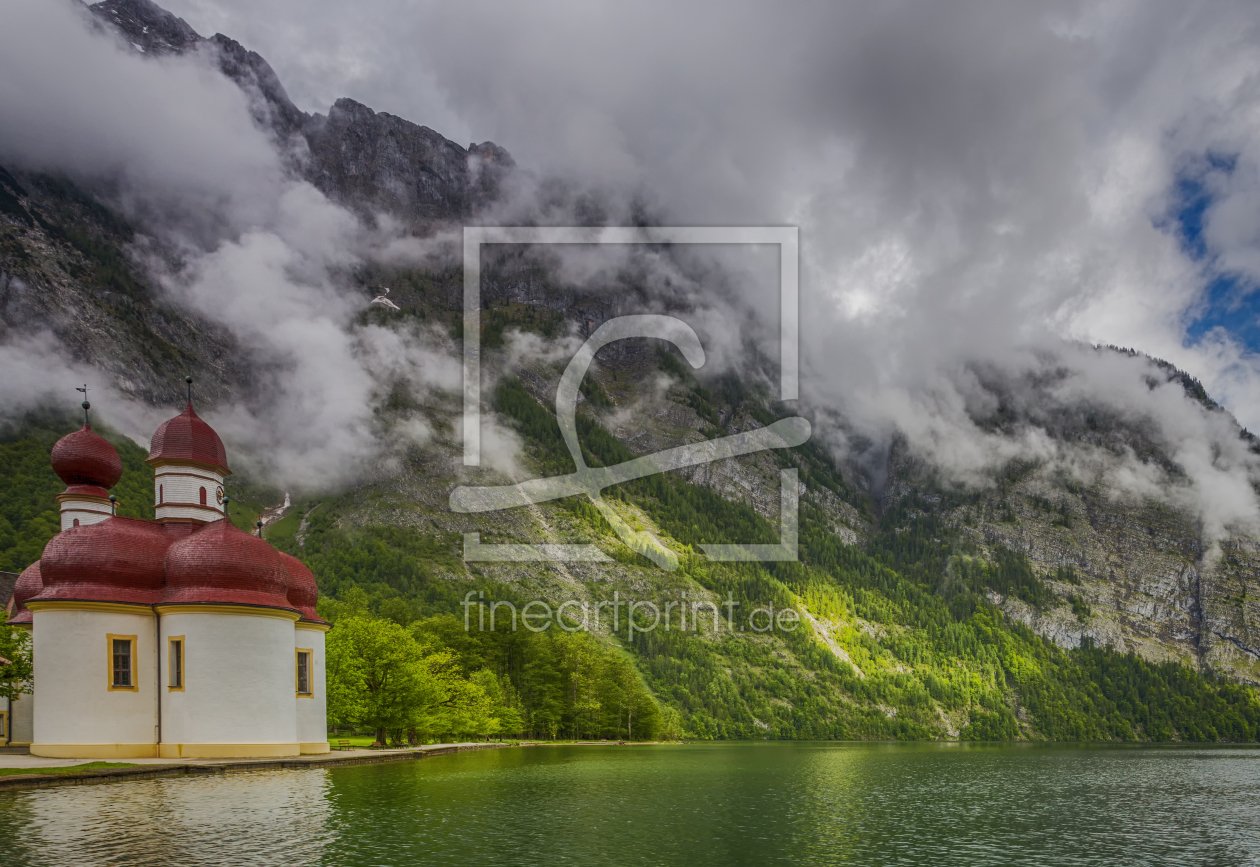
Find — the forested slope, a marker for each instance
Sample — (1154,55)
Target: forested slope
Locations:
(881,654)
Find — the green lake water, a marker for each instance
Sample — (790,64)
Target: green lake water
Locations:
(726,803)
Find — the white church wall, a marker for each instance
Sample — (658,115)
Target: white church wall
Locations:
(84,510)
(76,712)
(177,493)
(21,720)
(238,693)
(312,713)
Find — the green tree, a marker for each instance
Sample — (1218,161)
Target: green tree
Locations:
(465,708)
(400,682)
(16,668)
(456,705)
(505,700)
(377,676)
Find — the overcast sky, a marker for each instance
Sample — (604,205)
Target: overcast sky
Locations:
(969,171)
(977,184)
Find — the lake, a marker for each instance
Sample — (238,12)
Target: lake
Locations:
(723,803)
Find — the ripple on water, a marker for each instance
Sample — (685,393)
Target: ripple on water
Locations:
(760,803)
(262,817)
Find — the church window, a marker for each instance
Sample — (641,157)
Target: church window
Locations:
(303,674)
(203,496)
(76,522)
(161,495)
(122,662)
(175,663)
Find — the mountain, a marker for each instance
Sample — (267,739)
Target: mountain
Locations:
(1135,576)
(1039,605)
(371,162)
(68,266)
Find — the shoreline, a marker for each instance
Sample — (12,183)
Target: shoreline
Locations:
(155,769)
(149,769)
(158,768)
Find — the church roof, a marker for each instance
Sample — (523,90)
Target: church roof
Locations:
(129,560)
(217,563)
(187,438)
(303,592)
(115,560)
(85,459)
(28,584)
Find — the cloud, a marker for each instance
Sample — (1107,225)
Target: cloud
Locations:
(981,189)
(171,129)
(38,372)
(272,287)
(964,176)
(253,249)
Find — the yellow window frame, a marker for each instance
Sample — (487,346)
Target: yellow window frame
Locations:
(110,638)
(183,657)
(310,671)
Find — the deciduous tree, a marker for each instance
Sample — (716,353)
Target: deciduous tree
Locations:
(16,670)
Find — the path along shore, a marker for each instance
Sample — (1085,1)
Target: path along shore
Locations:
(152,768)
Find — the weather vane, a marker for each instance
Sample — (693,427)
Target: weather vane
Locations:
(86,406)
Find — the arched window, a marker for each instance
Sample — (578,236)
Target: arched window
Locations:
(161,495)
(76,522)
(203,496)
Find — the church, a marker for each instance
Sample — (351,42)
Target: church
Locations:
(180,637)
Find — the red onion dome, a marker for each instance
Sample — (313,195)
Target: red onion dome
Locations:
(187,438)
(29,584)
(218,563)
(85,458)
(116,560)
(303,592)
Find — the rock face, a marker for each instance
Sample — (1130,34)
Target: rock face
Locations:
(68,264)
(269,102)
(148,27)
(64,270)
(1149,579)
(371,163)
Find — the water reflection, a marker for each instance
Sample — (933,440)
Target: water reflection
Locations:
(262,817)
(729,804)
(830,804)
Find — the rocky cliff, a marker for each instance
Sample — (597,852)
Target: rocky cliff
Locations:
(67,267)
(371,162)
(1132,572)
(70,264)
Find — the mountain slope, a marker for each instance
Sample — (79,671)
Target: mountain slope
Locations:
(66,268)
(371,162)
(1036,606)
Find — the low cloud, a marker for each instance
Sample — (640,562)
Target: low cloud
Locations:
(173,133)
(172,142)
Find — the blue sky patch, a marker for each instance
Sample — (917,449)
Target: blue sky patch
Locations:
(1228,301)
